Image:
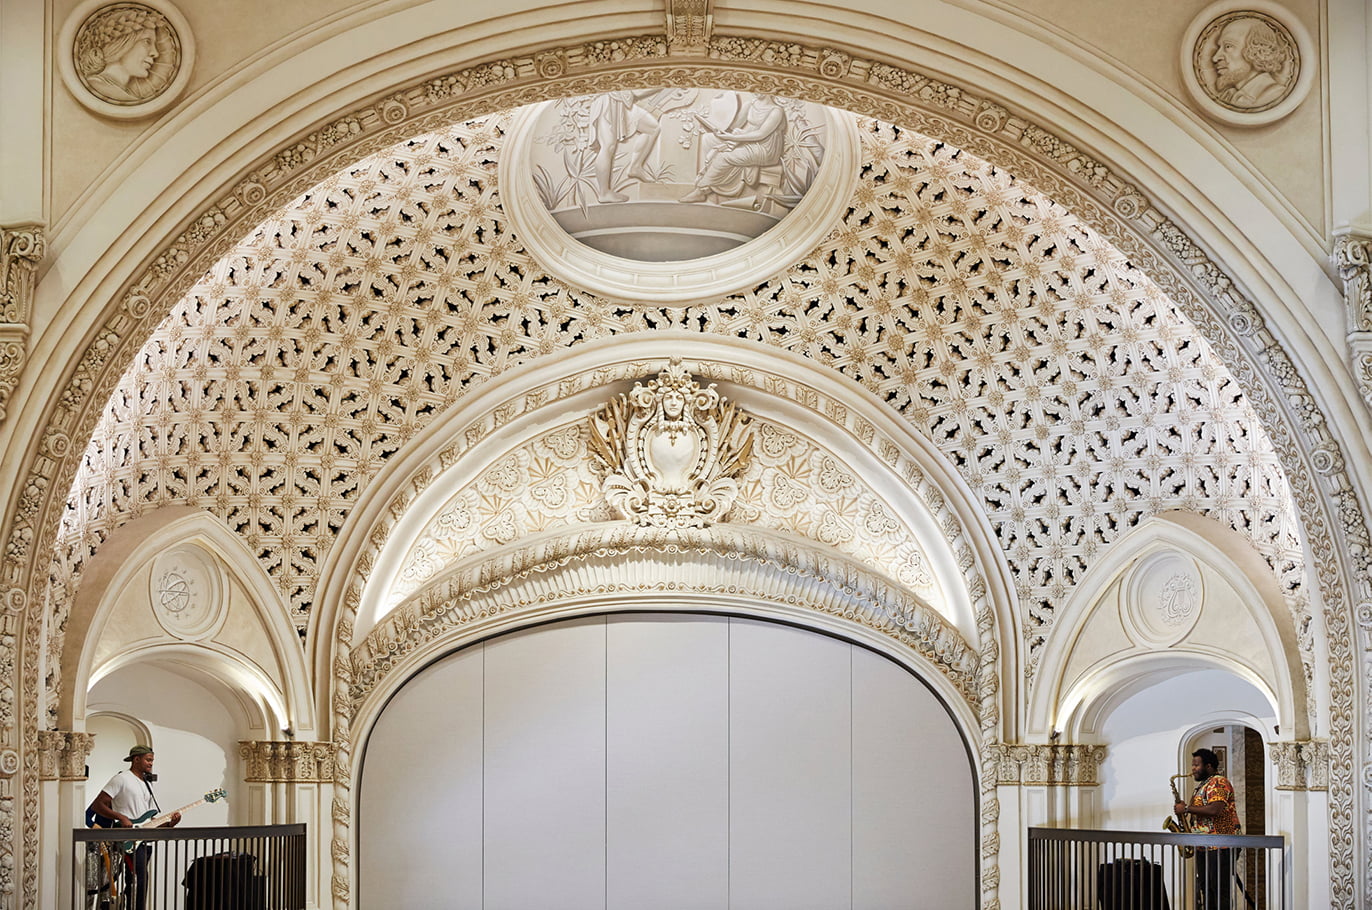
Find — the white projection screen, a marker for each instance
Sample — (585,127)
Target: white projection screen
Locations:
(666,761)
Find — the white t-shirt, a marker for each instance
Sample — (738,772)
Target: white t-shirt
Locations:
(129,795)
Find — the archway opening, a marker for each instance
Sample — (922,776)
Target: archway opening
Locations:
(666,760)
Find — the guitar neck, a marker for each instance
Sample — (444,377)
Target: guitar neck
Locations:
(161,820)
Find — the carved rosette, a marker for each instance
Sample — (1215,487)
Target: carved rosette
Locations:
(1051,765)
(21,249)
(1302,765)
(62,754)
(287,762)
(670,451)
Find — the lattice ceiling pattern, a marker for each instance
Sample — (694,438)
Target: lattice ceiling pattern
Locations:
(1070,393)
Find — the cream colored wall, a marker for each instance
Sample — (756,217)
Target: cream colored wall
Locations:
(1145,40)
(1128,43)
(82,144)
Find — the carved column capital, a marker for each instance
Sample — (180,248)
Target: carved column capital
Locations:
(1043,764)
(293,762)
(1352,256)
(62,754)
(21,249)
(1302,764)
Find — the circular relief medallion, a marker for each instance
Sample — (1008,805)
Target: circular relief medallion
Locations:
(1247,63)
(672,195)
(126,60)
(1162,599)
(187,592)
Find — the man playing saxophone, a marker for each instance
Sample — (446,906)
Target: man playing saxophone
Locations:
(1211,811)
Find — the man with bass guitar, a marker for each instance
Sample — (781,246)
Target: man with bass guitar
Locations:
(123,802)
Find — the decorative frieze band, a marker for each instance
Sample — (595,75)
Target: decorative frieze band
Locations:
(62,754)
(1302,765)
(295,762)
(1032,764)
(21,249)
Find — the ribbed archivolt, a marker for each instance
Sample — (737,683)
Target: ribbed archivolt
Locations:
(650,564)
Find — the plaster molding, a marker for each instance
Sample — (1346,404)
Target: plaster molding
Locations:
(63,754)
(1352,257)
(1302,764)
(620,559)
(1076,179)
(690,24)
(287,761)
(22,247)
(1051,764)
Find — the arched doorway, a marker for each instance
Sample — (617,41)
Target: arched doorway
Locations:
(682,759)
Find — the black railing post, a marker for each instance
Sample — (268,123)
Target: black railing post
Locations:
(239,868)
(1078,869)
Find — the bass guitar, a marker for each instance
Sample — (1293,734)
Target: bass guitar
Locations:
(151,819)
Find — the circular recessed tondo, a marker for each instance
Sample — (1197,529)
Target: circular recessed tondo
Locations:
(1247,62)
(672,195)
(1163,598)
(126,60)
(187,589)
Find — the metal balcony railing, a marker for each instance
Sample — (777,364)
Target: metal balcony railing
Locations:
(1076,869)
(244,868)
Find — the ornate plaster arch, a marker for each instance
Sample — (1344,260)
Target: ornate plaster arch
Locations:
(731,569)
(1057,702)
(286,696)
(1076,178)
(1111,682)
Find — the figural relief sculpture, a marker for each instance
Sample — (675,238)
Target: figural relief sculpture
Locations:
(661,151)
(1247,64)
(671,451)
(126,60)
(671,194)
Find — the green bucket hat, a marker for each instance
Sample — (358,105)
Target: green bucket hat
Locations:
(137,751)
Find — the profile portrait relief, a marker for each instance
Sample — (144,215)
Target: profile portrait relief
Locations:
(126,54)
(1246,61)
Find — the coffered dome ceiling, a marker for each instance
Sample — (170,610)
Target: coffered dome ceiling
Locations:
(1071,395)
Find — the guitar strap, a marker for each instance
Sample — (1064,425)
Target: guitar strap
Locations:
(147,783)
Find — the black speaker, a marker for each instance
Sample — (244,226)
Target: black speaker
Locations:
(1130,884)
(225,881)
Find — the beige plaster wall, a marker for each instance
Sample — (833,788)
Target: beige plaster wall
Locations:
(1142,37)
(227,34)
(1145,37)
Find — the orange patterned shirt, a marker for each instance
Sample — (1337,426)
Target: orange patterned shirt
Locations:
(1216,789)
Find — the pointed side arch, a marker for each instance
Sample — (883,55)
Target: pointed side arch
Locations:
(265,671)
(1117,609)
